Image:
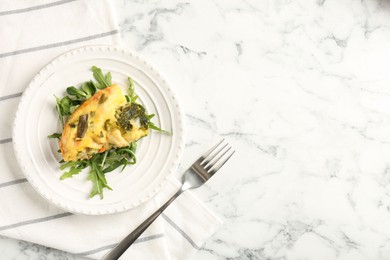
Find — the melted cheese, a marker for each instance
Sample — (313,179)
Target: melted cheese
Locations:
(103,132)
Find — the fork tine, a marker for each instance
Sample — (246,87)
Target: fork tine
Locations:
(216,166)
(213,155)
(206,154)
(216,157)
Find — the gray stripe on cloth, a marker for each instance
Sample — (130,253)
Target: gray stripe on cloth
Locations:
(37,7)
(7,140)
(11,96)
(181,232)
(9,183)
(34,221)
(139,240)
(58,44)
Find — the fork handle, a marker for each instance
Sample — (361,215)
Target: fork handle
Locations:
(119,249)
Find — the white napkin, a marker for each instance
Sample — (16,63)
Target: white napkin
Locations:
(33,33)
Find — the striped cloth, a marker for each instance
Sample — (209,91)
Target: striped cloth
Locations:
(33,32)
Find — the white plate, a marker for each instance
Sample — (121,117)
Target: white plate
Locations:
(158,154)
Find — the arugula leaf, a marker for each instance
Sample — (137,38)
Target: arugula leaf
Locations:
(88,88)
(108,78)
(103,81)
(62,107)
(121,157)
(77,93)
(132,96)
(59,109)
(75,168)
(97,177)
(54,135)
(71,172)
(73,108)
(96,85)
(115,164)
(151,125)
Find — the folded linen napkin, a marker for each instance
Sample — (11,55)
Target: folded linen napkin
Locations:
(34,32)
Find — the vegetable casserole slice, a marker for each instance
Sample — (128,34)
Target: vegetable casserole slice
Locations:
(104,121)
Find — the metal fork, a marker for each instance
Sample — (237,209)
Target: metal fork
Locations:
(200,171)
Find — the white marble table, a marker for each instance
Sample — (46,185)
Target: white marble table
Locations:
(302,91)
